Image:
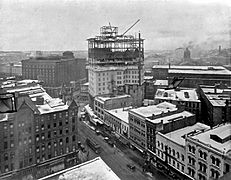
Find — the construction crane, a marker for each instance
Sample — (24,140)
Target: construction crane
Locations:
(129,28)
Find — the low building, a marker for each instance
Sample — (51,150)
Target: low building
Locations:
(145,121)
(106,102)
(216,104)
(117,119)
(208,153)
(94,169)
(193,75)
(186,98)
(171,149)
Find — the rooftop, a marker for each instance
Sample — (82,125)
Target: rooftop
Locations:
(52,105)
(106,98)
(121,113)
(217,97)
(190,67)
(154,109)
(181,95)
(95,169)
(201,71)
(168,118)
(178,135)
(222,139)
(161,82)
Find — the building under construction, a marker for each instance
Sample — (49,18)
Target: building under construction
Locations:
(115,64)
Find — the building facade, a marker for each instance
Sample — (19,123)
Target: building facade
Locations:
(41,137)
(216,104)
(145,121)
(171,149)
(186,98)
(208,153)
(117,119)
(54,71)
(102,103)
(193,75)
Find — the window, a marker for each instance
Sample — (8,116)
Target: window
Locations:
(182,157)
(5,145)
(73,138)
(6,157)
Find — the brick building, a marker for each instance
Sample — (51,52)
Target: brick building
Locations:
(145,121)
(186,98)
(54,71)
(41,137)
(215,103)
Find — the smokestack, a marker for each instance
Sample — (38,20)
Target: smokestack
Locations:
(219,49)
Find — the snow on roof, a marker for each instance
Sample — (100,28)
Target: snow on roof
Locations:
(161,82)
(89,110)
(189,67)
(178,135)
(222,131)
(4,117)
(105,98)
(167,119)
(200,71)
(154,109)
(86,84)
(218,98)
(181,95)
(120,113)
(52,105)
(95,169)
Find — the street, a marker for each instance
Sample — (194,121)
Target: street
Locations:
(113,157)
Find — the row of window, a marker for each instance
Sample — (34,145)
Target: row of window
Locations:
(169,150)
(55,133)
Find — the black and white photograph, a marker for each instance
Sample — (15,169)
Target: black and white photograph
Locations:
(115,89)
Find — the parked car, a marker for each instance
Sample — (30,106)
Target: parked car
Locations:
(97,132)
(131,167)
(106,139)
(110,143)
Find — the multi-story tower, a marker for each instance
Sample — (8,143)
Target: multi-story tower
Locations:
(115,64)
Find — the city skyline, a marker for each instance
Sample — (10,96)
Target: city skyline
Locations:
(66,24)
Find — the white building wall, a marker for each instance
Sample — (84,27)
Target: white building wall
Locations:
(176,152)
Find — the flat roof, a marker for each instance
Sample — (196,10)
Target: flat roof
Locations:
(189,67)
(178,135)
(167,119)
(52,105)
(105,98)
(121,113)
(95,169)
(201,71)
(148,111)
(161,82)
(181,95)
(221,131)
(217,99)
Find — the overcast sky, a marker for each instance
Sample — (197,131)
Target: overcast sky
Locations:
(66,24)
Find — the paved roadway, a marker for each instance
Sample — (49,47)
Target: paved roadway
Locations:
(114,158)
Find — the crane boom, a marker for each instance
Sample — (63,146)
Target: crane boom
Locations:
(130,27)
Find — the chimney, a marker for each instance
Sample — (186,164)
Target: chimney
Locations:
(219,50)
(39,101)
